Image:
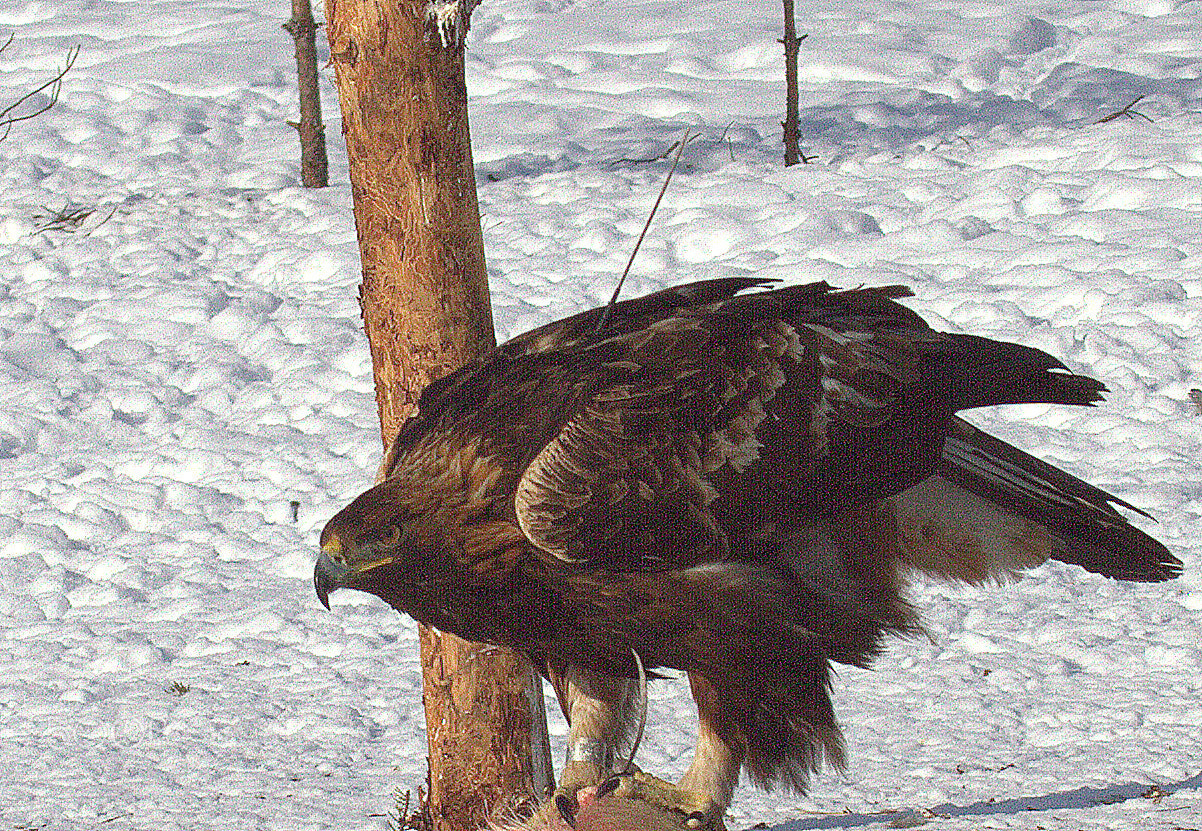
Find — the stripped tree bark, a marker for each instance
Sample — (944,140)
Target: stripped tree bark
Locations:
(314,166)
(426,311)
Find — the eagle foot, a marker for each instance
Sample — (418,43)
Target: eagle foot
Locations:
(577,775)
(697,811)
(564,804)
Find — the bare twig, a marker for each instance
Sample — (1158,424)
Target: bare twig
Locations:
(680,145)
(417,819)
(1126,112)
(676,145)
(68,218)
(729,146)
(55,85)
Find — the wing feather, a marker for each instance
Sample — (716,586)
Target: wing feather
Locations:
(1088,529)
(635,477)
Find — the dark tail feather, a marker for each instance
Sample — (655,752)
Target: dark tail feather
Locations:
(994,372)
(1096,536)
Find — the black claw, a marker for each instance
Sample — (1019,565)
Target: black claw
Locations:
(564,806)
(608,786)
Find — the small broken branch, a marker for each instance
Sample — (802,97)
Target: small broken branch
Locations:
(1125,112)
(405,819)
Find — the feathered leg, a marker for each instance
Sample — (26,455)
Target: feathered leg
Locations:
(601,718)
(721,749)
(705,791)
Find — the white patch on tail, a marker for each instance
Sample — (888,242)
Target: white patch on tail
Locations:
(955,534)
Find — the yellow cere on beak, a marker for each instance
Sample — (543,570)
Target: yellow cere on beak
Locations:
(335,568)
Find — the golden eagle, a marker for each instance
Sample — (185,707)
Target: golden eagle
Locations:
(728,482)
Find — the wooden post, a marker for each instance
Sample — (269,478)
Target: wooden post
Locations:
(426,311)
(314,166)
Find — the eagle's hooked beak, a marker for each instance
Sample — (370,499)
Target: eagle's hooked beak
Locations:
(339,566)
(330,571)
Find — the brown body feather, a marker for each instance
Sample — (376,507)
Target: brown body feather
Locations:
(730,484)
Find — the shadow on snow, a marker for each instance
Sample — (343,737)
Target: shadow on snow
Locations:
(1075,799)
(874,118)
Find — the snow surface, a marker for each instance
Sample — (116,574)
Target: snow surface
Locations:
(186,393)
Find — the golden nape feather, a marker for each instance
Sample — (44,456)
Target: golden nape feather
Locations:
(727,479)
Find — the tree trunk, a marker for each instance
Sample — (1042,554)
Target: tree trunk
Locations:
(426,310)
(314,167)
(792,44)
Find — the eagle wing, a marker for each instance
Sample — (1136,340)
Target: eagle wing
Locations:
(631,479)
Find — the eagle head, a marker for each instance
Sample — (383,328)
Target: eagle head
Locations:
(372,535)
(419,546)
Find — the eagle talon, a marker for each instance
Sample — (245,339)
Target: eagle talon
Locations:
(608,786)
(563,804)
(576,776)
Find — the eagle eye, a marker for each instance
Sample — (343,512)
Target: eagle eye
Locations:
(388,538)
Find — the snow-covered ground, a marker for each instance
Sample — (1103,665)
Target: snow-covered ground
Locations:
(186,395)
